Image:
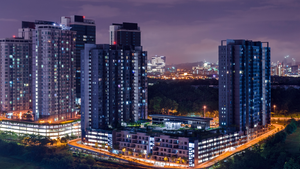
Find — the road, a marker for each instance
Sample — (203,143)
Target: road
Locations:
(74,143)
(284,118)
(242,147)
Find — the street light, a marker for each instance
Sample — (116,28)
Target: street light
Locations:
(204,107)
(274,108)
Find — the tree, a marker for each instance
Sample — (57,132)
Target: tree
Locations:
(84,166)
(103,145)
(155,105)
(290,129)
(45,141)
(109,149)
(90,160)
(149,155)
(291,164)
(281,160)
(184,160)
(53,142)
(173,158)
(124,150)
(166,159)
(140,154)
(63,140)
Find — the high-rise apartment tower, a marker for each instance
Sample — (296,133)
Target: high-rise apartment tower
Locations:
(85,33)
(15,75)
(53,63)
(244,84)
(113,86)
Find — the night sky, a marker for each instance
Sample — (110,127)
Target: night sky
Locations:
(182,30)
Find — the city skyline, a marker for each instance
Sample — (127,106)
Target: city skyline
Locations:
(185,31)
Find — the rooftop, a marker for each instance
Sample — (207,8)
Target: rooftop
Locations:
(42,122)
(179,117)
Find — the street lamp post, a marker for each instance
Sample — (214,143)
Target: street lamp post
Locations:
(204,107)
(274,108)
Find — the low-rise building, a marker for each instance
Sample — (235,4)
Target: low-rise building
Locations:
(212,147)
(135,143)
(51,130)
(164,148)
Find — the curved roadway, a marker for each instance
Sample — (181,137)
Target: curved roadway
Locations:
(240,148)
(74,143)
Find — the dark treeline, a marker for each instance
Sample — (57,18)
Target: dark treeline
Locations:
(268,154)
(279,80)
(42,155)
(182,97)
(286,100)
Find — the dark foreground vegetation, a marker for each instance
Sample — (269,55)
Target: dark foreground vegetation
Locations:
(272,153)
(38,153)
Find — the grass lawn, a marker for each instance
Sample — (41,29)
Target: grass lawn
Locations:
(14,163)
(292,143)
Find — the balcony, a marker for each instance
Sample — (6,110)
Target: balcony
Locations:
(155,148)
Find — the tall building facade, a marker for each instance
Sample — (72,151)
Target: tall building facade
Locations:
(244,84)
(85,33)
(125,34)
(15,75)
(53,65)
(113,86)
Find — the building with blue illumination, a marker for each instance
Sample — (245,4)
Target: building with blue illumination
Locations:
(244,84)
(113,85)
